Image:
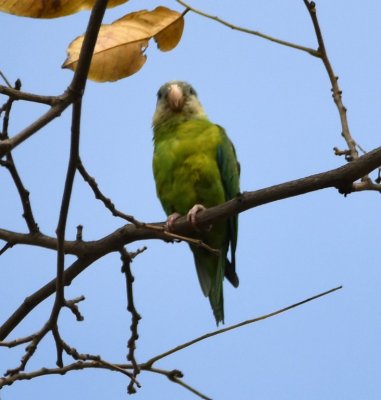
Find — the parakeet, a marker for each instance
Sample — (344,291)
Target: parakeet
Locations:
(195,167)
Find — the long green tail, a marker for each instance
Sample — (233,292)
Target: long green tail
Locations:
(210,270)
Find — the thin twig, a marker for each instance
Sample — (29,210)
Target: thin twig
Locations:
(6,247)
(308,50)
(336,91)
(72,306)
(23,194)
(176,376)
(59,345)
(129,218)
(10,165)
(366,184)
(79,235)
(66,197)
(29,350)
(35,98)
(150,362)
(34,127)
(5,79)
(135,316)
(79,365)
(190,388)
(100,196)
(189,240)
(18,341)
(71,351)
(137,252)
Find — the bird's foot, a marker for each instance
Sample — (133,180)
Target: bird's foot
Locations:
(171,220)
(192,216)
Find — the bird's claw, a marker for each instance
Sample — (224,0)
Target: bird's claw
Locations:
(171,220)
(192,216)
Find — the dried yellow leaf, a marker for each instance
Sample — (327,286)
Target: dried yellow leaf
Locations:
(165,25)
(111,59)
(120,46)
(49,8)
(168,38)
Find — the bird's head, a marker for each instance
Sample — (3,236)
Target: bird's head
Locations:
(177,99)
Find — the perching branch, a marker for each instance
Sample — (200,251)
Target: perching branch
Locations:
(341,178)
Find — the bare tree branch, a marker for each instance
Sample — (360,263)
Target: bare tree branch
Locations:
(77,86)
(5,79)
(74,91)
(336,91)
(55,111)
(153,360)
(72,306)
(79,365)
(308,50)
(23,193)
(91,361)
(341,178)
(18,341)
(15,94)
(176,376)
(10,165)
(135,317)
(100,196)
(6,247)
(29,350)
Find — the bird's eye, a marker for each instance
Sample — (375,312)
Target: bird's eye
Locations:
(192,91)
(159,94)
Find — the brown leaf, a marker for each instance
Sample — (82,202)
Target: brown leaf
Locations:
(165,25)
(49,8)
(120,46)
(168,38)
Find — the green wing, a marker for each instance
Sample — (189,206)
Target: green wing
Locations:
(211,269)
(229,170)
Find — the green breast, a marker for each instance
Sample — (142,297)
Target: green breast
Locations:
(185,165)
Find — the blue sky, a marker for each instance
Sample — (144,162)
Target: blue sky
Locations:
(276,106)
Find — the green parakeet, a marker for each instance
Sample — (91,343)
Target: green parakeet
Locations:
(195,167)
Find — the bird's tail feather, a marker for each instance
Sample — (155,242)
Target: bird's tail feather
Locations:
(230,274)
(211,271)
(216,294)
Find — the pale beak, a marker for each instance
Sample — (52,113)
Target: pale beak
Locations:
(175,98)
